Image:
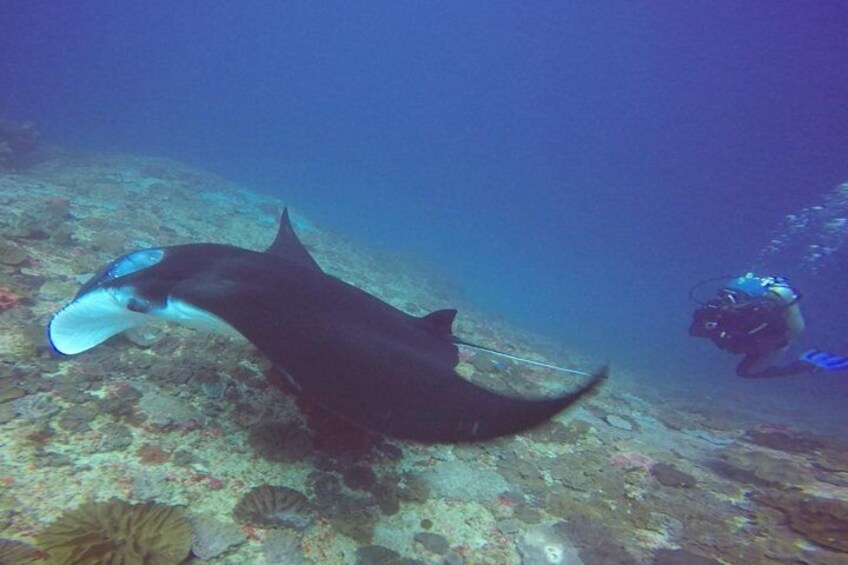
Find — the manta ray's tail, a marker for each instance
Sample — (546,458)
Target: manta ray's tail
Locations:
(521,359)
(503,415)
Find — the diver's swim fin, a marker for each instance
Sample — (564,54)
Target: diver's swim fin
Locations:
(826,361)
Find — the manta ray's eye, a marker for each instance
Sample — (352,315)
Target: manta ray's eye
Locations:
(134,262)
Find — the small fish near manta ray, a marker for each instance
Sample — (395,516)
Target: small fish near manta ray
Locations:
(340,347)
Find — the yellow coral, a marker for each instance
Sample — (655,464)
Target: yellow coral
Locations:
(119,532)
(17,553)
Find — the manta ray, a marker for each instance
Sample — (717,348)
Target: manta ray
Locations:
(339,346)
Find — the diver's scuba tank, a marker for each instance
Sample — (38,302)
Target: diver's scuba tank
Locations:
(778,290)
(753,286)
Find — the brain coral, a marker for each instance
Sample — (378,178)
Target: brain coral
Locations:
(119,532)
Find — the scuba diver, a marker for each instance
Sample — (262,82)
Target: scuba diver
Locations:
(759,317)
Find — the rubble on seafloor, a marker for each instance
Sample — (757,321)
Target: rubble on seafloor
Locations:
(194,427)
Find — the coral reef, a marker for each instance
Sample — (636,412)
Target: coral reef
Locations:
(670,476)
(434,543)
(821,520)
(458,481)
(14,552)
(665,556)
(783,439)
(42,220)
(11,253)
(619,422)
(271,506)
(378,555)
(152,454)
(36,408)
(356,523)
(555,432)
(360,477)
(542,545)
(635,475)
(757,468)
(630,461)
(8,300)
(213,537)
(167,412)
(119,532)
(282,547)
(595,541)
(278,441)
(339,438)
(833,460)
(18,144)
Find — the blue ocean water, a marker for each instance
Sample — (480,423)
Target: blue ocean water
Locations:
(577,166)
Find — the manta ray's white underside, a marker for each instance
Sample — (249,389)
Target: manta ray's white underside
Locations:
(100,314)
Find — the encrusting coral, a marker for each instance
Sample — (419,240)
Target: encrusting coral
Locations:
(119,532)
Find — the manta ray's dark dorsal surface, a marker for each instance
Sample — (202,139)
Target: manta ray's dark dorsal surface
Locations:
(341,347)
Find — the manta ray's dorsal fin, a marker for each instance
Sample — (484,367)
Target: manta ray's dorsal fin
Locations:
(440,322)
(288,246)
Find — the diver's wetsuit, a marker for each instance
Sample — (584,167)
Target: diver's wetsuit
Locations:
(758,327)
(747,367)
